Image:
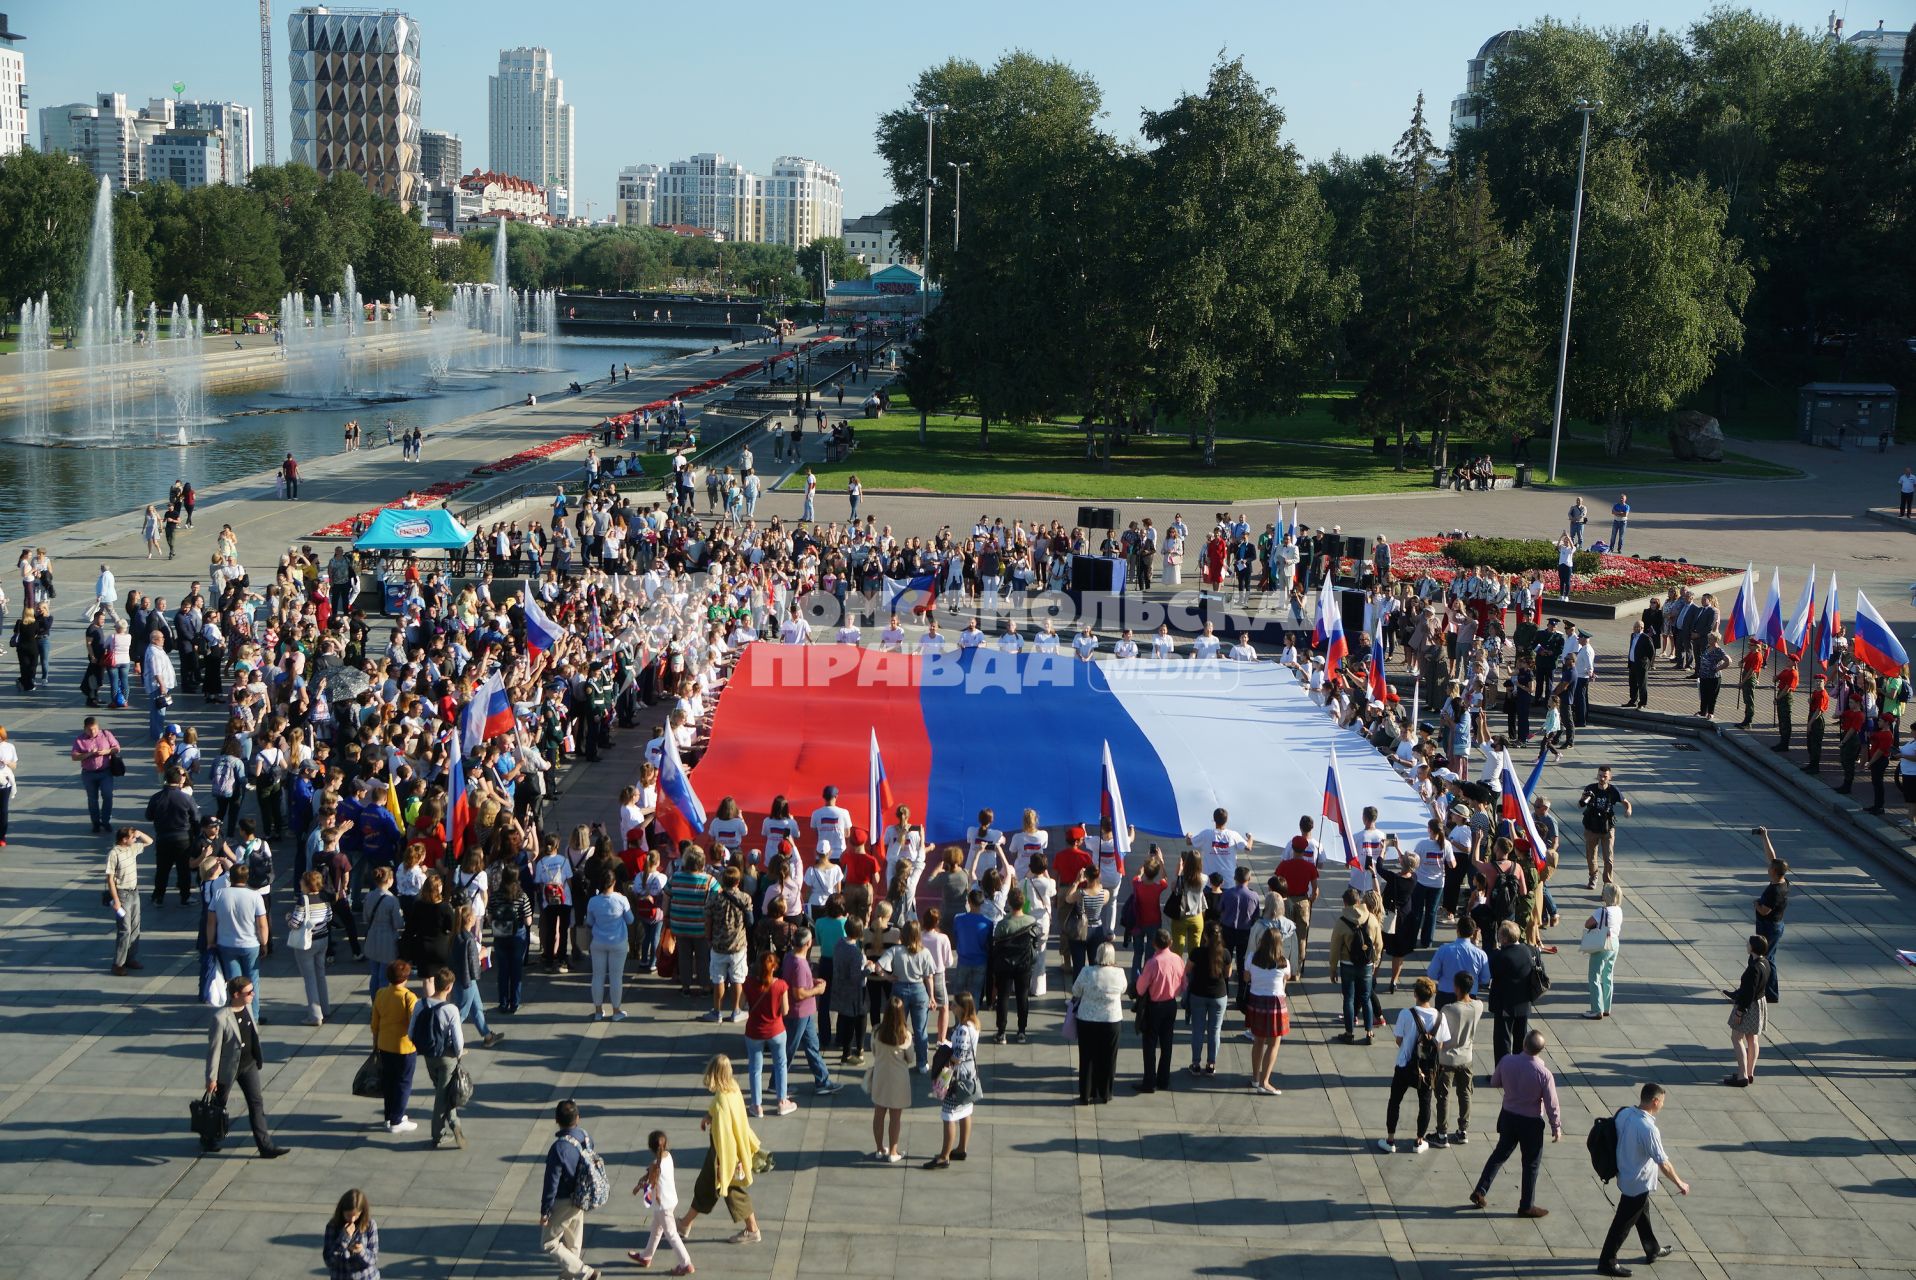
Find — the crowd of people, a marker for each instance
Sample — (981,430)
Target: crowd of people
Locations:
(382,785)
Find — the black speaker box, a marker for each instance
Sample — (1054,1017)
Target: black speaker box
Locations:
(1095,518)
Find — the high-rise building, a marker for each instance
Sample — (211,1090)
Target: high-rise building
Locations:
(355,96)
(108,137)
(710,192)
(441,158)
(1466,109)
(638,195)
(529,122)
(233,122)
(13,90)
(796,203)
(187,158)
(800,200)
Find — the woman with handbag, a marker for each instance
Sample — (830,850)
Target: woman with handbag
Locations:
(1602,933)
(384,916)
(1747,1013)
(431,927)
(308,926)
(648,908)
(1267,1012)
(731,1160)
(1096,999)
(957,1084)
(392,1043)
(1184,905)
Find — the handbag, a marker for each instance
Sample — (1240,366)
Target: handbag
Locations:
(461,1087)
(1597,940)
(1390,921)
(940,1062)
(115,766)
(667,961)
(299,936)
(366,1080)
(581,939)
(209,1119)
(762,1161)
(1071,1021)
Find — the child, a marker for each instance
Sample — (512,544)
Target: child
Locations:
(659,1186)
(1553,729)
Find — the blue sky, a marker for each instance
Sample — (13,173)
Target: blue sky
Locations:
(652,82)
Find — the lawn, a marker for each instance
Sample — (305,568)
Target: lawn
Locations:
(1048,460)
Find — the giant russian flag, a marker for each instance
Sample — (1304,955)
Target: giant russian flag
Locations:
(1874,643)
(984,728)
(1740,622)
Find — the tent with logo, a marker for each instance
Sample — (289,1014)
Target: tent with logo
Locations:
(410,529)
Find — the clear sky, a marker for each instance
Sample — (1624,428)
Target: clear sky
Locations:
(653,81)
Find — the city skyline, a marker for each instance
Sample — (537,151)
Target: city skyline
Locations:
(635,107)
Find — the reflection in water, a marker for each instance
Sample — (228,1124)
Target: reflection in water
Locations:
(46,488)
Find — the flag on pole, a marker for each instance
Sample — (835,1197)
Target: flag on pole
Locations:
(1281,528)
(1740,622)
(1797,632)
(1516,809)
(1829,625)
(882,802)
(1334,810)
(1874,643)
(458,807)
(1535,779)
(683,816)
(1111,806)
(1329,631)
(1774,626)
(392,805)
(1416,692)
(542,633)
(487,715)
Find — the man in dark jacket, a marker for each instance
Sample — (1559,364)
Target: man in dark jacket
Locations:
(562,1223)
(175,816)
(1511,965)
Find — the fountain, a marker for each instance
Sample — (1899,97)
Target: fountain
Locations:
(36,335)
(101,329)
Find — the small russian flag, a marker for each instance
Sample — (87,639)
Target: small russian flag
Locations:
(458,807)
(1334,810)
(1874,643)
(687,813)
(488,715)
(1830,625)
(1517,811)
(1111,805)
(542,633)
(1774,627)
(1328,633)
(1797,633)
(1740,622)
(883,803)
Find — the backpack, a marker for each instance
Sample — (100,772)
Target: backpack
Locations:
(1602,1145)
(1505,894)
(425,1032)
(1423,1058)
(1362,950)
(1017,949)
(591,1188)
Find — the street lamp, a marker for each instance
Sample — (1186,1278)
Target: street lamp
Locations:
(958,197)
(1587,107)
(931,111)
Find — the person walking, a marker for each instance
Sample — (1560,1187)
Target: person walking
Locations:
(350,1249)
(1771,905)
(233,1056)
(1456,1060)
(659,1186)
(1600,801)
(801,1023)
(1096,997)
(1602,935)
(392,1041)
(1511,967)
(962,1088)
(730,1157)
(308,932)
(1356,942)
(94,750)
(1747,1014)
(441,1042)
(237,928)
(123,896)
(1421,1035)
(289,475)
(561,1219)
(1641,1159)
(1530,1099)
(1161,988)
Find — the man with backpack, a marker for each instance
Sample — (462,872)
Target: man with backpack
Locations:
(1356,942)
(437,1034)
(1421,1035)
(1630,1148)
(1530,1098)
(1600,801)
(574,1184)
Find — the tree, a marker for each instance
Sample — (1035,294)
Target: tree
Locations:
(398,256)
(46,215)
(1660,292)
(220,248)
(463,262)
(927,375)
(840,264)
(132,256)
(1235,263)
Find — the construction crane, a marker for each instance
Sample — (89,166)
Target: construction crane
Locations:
(266,69)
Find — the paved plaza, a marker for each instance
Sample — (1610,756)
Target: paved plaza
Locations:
(1812,1171)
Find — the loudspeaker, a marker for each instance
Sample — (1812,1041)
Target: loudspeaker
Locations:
(1094,518)
(1096,575)
(1356,546)
(1350,607)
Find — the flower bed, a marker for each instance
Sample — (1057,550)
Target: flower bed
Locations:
(526,457)
(431,495)
(627,418)
(1616,577)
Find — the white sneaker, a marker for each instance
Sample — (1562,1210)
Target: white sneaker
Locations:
(1385,1145)
(1420,1148)
(405,1126)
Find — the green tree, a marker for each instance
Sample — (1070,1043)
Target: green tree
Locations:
(1235,260)
(46,215)
(927,375)
(398,256)
(132,249)
(1660,292)
(463,262)
(218,246)
(312,250)
(840,264)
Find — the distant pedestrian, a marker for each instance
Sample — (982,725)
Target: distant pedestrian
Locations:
(1579,515)
(289,473)
(1640,1159)
(1530,1099)
(123,893)
(1619,523)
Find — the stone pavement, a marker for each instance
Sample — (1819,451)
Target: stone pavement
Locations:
(1811,1171)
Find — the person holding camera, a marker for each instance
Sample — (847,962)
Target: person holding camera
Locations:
(1600,802)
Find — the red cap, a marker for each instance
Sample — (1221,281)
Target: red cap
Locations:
(860,836)
(1075,834)
(787,845)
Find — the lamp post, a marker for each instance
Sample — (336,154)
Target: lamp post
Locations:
(931,111)
(1587,107)
(957,197)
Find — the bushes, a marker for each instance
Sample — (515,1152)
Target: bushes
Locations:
(1514,555)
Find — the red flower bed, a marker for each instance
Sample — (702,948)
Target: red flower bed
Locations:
(431,495)
(713,384)
(525,457)
(1619,577)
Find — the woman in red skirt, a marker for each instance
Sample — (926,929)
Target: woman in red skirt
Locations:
(1266,1011)
(1214,553)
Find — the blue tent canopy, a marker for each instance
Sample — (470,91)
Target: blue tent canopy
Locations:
(424,529)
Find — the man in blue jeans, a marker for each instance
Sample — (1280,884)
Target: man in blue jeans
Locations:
(1353,958)
(971,939)
(94,749)
(1619,522)
(801,1024)
(236,927)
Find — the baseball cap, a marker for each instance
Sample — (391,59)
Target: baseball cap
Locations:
(860,836)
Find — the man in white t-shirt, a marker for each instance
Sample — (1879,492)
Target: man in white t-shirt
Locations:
(830,824)
(892,639)
(1370,853)
(1220,847)
(971,637)
(1206,645)
(1242,650)
(1008,641)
